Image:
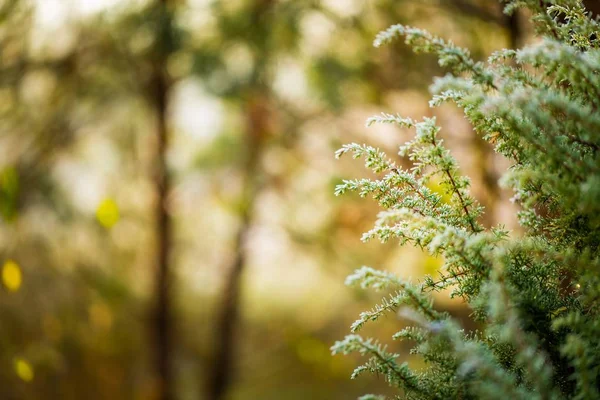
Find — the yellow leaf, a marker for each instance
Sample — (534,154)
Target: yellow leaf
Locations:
(107,213)
(11,275)
(23,369)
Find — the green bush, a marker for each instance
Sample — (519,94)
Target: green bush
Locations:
(535,293)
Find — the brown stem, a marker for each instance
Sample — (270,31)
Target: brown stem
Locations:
(445,279)
(462,202)
(417,191)
(460,198)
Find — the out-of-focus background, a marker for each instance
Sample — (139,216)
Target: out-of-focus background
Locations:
(168,228)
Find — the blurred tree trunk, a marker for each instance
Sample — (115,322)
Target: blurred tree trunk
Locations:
(515,32)
(228,312)
(593,6)
(162,320)
(258,129)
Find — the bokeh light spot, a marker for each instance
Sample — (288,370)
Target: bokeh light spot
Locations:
(11,275)
(24,370)
(107,213)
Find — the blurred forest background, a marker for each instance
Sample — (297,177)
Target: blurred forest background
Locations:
(168,227)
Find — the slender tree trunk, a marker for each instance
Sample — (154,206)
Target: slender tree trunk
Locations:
(221,373)
(163,273)
(258,121)
(258,128)
(162,319)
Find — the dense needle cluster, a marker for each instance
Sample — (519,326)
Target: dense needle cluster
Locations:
(536,294)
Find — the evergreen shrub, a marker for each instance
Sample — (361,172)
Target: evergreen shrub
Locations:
(535,293)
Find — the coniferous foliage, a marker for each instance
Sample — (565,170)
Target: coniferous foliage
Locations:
(537,293)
